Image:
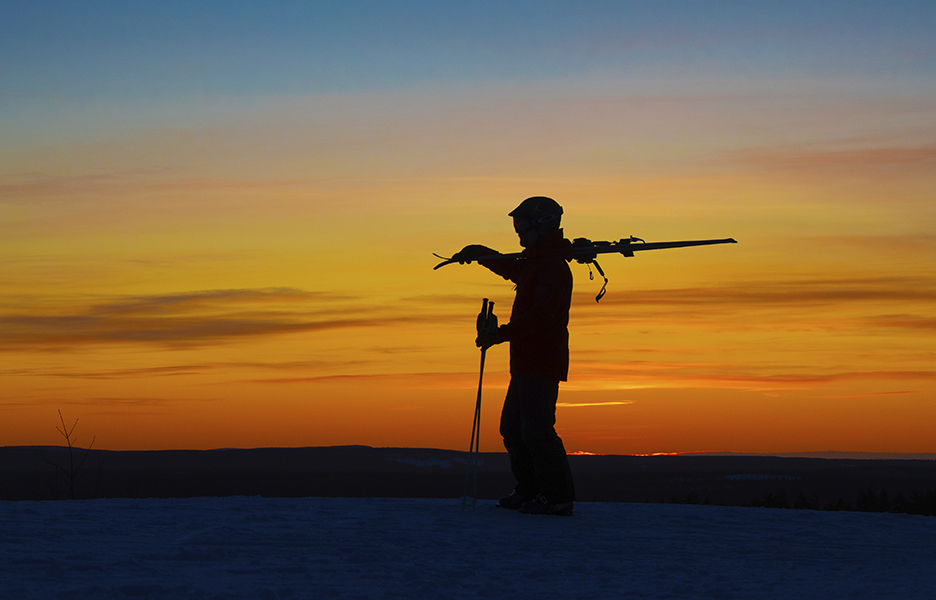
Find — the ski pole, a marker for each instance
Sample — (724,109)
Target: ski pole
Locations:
(484,321)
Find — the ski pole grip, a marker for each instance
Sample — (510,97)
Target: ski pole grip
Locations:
(482,318)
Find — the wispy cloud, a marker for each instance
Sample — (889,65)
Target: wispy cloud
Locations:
(427,381)
(117,185)
(107,404)
(781,293)
(814,160)
(212,316)
(589,404)
(184,370)
(662,375)
(801,380)
(869,395)
(208,300)
(444,299)
(922,244)
(166,371)
(902,321)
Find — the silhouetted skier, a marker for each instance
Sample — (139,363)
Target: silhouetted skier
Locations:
(539,356)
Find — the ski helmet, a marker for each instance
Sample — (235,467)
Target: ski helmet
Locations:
(538,211)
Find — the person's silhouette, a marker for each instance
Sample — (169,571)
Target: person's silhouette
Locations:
(538,334)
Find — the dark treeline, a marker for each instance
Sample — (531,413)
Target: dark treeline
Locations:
(883,486)
(918,503)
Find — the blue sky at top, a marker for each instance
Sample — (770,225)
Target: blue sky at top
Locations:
(74,71)
(126,50)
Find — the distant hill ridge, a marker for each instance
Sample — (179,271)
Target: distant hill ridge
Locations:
(827,454)
(807,480)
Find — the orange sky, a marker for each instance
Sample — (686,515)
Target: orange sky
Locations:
(217,268)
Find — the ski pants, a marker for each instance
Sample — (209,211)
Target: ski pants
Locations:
(537,457)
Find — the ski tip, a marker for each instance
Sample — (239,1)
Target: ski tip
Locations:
(445,261)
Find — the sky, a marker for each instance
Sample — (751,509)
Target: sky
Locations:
(217,220)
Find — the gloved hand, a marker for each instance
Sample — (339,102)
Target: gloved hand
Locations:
(490,337)
(488,334)
(471,252)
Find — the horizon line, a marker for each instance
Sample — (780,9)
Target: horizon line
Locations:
(823,454)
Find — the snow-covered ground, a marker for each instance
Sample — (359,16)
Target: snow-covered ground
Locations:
(402,548)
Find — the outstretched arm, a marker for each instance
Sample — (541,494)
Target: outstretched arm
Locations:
(506,268)
(472,252)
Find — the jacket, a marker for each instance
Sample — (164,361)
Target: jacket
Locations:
(538,330)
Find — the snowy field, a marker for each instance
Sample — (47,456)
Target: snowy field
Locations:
(402,548)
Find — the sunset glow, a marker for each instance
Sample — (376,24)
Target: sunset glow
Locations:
(217,223)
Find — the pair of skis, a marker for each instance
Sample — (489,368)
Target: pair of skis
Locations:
(586,250)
